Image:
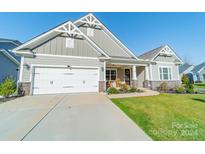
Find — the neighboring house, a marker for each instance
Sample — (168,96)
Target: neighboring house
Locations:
(9,62)
(164,66)
(186,69)
(84,56)
(199,73)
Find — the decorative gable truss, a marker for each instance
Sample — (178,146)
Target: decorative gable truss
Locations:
(93,22)
(167,52)
(68,29)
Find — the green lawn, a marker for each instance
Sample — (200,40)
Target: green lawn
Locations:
(167,116)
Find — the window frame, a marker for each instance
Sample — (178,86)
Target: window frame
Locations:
(110,69)
(169,74)
(69,42)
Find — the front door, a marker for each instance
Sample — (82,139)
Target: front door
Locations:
(203,77)
(127,76)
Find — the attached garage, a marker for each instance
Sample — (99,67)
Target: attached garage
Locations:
(48,80)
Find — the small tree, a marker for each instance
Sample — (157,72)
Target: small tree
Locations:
(187,84)
(7,87)
(185,79)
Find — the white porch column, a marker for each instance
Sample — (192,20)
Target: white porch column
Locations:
(146,73)
(134,73)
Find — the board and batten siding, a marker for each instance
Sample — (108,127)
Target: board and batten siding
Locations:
(167,59)
(106,43)
(155,71)
(47,60)
(57,46)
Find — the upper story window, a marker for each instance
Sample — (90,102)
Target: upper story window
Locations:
(165,73)
(69,42)
(90,32)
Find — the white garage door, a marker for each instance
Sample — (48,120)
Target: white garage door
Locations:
(65,80)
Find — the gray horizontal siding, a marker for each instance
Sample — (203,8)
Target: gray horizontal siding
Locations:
(106,43)
(57,46)
(44,60)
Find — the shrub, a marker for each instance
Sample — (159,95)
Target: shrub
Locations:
(112,90)
(132,90)
(185,79)
(125,87)
(7,87)
(139,91)
(163,87)
(190,88)
(179,89)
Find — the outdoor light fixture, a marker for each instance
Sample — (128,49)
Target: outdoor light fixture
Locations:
(27,66)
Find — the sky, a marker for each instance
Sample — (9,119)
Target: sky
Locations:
(140,32)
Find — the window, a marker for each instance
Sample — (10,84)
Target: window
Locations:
(111,74)
(69,42)
(165,73)
(90,32)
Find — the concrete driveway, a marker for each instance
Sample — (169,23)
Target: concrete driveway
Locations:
(86,116)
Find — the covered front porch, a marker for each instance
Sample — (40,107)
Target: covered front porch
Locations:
(133,75)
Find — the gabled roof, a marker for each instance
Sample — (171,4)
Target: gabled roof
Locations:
(6,46)
(151,54)
(67,27)
(4,43)
(184,67)
(91,20)
(11,56)
(198,68)
(164,49)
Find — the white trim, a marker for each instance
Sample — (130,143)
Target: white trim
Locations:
(115,69)
(33,66)
(109,33)
(70,24)
(38,37)
(21,69)
(128,64)
(201,69)
(24,53)
(9,41)
(78,57)
(134,72)
(63,66)
(162,62)
(151,77)
(166,46)
(93,43)
(168,73)
(104,66)
(147,73)
(116,43)
(178,75)
(9,56)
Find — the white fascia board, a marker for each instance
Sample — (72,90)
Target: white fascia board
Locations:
(91,42)
(181,62)
(57,30)
(108,33)
(9,41)
(36,38)
(10,57)
(201,69)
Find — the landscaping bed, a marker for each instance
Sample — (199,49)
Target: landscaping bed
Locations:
(167,116)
